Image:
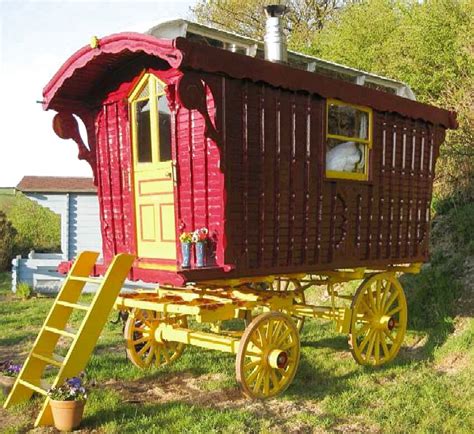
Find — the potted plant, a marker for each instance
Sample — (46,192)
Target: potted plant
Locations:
(8,371)
(67,403)
(186,239)
(200,237)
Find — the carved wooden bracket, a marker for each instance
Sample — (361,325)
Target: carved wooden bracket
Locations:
(191,92)
(66,127)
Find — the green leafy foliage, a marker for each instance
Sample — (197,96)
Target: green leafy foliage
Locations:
(38,228)
(434,293)
(247,17)
(7,239)
(24,291)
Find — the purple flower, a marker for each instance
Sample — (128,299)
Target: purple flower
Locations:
(74,382)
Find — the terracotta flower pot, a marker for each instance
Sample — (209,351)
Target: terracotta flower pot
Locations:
(67,415)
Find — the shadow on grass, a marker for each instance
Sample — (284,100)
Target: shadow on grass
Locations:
(336,343)
(14,340)
(171,416)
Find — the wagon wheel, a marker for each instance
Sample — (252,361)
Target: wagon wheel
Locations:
(142,348)
(281,284)
(379,320)
(268,356)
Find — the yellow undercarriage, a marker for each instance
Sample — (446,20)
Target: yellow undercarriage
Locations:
(373,315)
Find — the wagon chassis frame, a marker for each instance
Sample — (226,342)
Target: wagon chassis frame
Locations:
(158,329)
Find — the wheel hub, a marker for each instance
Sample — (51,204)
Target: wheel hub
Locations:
(387,322)
(278,359)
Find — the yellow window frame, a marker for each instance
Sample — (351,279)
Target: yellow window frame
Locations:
(368,142)
(152,82)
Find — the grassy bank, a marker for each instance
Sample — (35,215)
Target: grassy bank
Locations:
(427,389)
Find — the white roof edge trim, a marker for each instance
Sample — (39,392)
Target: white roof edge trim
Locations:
(182,26)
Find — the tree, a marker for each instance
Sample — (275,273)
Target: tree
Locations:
(7,239)
(247,17)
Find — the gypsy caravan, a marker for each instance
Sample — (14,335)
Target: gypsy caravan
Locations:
(295,171)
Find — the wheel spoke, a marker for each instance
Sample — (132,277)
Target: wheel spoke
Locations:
(145,348)
(386,291)
(140,340)
(367,308)
(253,375)
(370,348)
(389,335)
(259,381)
(261,336)
(394,311)
(390,301)
(370,296)
(252,364)
(274,379)
(282,337)
(276,331)
(157,356)
(362,330)
(378,286)
(365,341)
(269,334)
(266,382)
(149,357)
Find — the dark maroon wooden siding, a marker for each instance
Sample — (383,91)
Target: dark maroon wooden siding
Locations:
(283,215)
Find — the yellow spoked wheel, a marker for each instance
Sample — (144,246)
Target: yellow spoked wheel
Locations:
(282,284)
(379,320)
(143,350)
(268,356)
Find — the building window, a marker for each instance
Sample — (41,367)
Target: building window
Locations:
(348,140)
(151,121)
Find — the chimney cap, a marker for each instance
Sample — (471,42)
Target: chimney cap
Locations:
(275,10)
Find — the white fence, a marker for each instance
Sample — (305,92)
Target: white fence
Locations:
(39,271)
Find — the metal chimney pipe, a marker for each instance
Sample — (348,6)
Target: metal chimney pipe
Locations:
(274,39)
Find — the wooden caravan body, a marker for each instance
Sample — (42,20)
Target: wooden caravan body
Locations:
(246,159)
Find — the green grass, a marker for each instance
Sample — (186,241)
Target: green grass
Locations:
(428,388)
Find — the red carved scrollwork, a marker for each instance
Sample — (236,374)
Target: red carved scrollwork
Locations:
(66,127)
(192,94)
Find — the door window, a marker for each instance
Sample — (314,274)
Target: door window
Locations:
(151,121)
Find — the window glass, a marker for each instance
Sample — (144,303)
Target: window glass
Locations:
(144,154)
(164,128)
(345,156)
(348,121)
(347,141)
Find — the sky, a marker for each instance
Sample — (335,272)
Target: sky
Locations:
(36,38)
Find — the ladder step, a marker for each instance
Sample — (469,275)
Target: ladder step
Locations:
(68,332)
(43,389)
(96,280)
(54,359)
(81,306)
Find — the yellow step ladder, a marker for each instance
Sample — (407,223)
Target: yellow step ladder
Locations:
(83,339)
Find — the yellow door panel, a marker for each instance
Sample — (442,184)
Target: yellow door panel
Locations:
(152,171)
(168,229)
(147,223)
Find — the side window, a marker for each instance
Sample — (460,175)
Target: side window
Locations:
(348,140)
(151,121)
